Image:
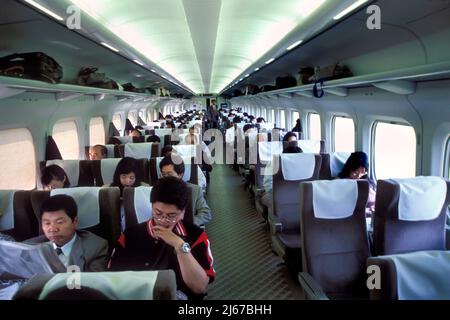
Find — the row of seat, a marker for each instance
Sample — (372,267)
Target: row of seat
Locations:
(99,210)
(409,221)
(101,172)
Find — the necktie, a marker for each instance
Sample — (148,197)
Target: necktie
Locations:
(58,251)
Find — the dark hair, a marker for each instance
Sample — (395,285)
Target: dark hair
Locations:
(288,135)
(170,190)
(356,160)
(103,149)
(125,166)
(175,160)
(166,150)
(140,134)
(54,172)
(247,127)
(60,202)
(153,138)
(260,119)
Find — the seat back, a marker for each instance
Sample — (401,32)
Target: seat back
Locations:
(190,170)
(103,170)
(332,164)
(144,150)
(138,209)
(98,209)
(293,168)
(17,218)
(126,285)
(311,146)
(79,172)
(428,269)
(410,215)
(334,238)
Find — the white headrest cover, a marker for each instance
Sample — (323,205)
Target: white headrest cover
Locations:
(110,148)
(87,202)
(334,199)
(142,204)
(337,162)
(71,167)
(108,167)
(138,150)
(7,209)
(421,198)
(297,166)
(163,132)
(430,271)
(267,149)
(309,146)
(186,150)
(127,285)
(125,139)
(187,168)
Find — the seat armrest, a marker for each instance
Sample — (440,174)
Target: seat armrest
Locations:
(275,224)
(311,288)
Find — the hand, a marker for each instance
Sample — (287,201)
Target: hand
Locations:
(168,236)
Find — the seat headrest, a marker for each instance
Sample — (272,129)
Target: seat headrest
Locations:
(7,209)
(163,132)
(430,271)
(334,199)
(186,150)
(309,146)
(337,162)
(128,285)
(88,204)
(125,139)
(138,150)
(142,204)
(110,153)
(108,167)
(297,166)
(71,167)
(268,149)
(421,198)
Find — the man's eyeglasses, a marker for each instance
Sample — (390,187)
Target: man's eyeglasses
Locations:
(171,218)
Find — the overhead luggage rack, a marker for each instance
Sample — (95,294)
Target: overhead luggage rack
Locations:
(10,86)
(400,81)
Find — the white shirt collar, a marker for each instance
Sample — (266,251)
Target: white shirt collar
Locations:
(67,248)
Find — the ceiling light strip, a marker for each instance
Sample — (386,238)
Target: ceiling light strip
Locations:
(44,9)
(350,9)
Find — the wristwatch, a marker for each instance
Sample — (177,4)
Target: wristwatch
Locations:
(185,248)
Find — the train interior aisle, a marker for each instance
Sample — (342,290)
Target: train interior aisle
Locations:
(243,259)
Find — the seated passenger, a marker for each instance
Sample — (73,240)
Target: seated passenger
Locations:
(59,220)
(98,152)
(154,138)
(191,138)
(357,167)
(202,212)
(166,242)
(126,175)
(290,143)
(135,133)
(54,177)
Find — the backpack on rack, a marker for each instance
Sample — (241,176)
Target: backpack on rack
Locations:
(31,65)
(337,71)
(88,76)
(285,82)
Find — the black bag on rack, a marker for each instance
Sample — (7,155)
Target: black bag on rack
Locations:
(31,65)
(285,82)
(88,76)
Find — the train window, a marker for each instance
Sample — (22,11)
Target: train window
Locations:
(155,115)
(272,115)
(295,116)
(96,131)
(314,127)
(132,118)
(149,116)
(343,134)
(66,137)
(117,121)
(447,160)
(17,158)
(141,114)
(395,150)
(282,119)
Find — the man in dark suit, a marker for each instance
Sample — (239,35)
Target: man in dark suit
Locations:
(59,220)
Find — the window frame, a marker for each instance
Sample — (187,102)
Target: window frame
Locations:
(309,124)
(372,162)
(333,130)
(446,164)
